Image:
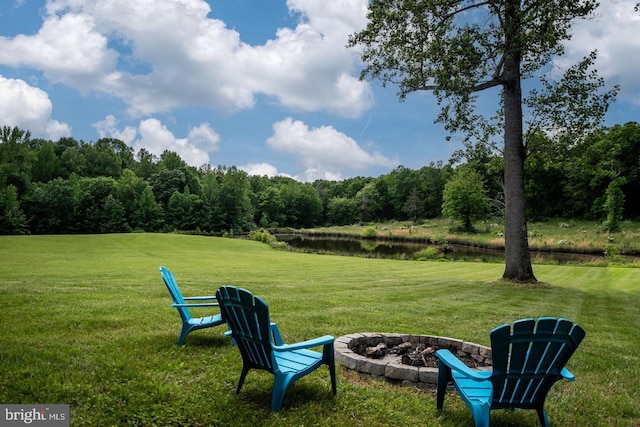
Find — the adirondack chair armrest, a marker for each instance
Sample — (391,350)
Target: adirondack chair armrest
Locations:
(275,333)
(452,362)
(567,375)
(202,304)
(200,298)
(315,342)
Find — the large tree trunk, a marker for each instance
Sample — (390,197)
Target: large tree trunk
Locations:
(516,241)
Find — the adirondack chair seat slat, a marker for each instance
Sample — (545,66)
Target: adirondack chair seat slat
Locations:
(297,360)
(261,346)
(205,321)
(474,390)
(189,323)
(526,363)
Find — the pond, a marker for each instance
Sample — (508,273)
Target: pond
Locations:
(384,248)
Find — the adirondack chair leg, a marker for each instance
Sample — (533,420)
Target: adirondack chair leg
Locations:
(329,358)
(280,385)
(243,375)
(183,334)
(481,415)
(444,376)
(542,416)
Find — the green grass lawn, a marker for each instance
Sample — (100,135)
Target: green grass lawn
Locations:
(87,321)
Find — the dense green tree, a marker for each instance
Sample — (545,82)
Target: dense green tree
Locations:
(91,205)
(459,48)
(115,148)
(101,161)
(72,161)
(12,218)
(616,155)
(400,183)
(130,188)
(184,211)
(302,204)
(64,143)
(369,203)
(595,162)
(544,188)
(614,205)
(51,208)
(309,205)
(146,165)
(15,158)
(233,210)
(465,198)
(170,160)
(166,182)
(270,208)
(433,179)
(211,184)
(147,214)
(47,164)
(546,179)
(386,207)
(114,218)
(342,211)
(328,190)
(413,204)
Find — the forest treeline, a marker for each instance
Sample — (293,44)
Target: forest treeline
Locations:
(70,186)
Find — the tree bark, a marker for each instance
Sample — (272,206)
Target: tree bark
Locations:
(517,256)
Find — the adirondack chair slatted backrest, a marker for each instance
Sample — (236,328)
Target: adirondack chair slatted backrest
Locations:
(528,360)
(174,290)
(249,322)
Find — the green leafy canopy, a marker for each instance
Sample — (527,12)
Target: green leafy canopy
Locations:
(459,48)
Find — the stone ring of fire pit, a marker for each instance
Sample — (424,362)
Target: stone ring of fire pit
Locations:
(350,351)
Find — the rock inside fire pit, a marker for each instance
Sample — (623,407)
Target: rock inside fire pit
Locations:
(421,355)
(407,359)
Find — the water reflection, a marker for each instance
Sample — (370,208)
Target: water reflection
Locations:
(380,248)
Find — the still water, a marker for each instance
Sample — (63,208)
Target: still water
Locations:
(380,248)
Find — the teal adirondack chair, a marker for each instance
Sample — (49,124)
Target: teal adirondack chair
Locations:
(181,303)
(526,363)
(261,345)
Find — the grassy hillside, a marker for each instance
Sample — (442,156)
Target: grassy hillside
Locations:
(86,320)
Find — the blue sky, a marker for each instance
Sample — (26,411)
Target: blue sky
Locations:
(267,86)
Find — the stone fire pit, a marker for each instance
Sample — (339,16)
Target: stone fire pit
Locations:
(385,360)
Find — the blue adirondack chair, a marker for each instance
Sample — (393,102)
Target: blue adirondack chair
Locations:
(181,303)
(526,363)
(261,345)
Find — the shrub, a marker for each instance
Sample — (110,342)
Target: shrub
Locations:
(611,252)
(263,236)
(430,252)
(369,233)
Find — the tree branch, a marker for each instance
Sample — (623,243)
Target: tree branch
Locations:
(477,88)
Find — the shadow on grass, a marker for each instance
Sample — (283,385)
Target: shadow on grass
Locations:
(170,340)
(304,393)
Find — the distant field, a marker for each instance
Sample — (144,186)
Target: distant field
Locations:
(86,320)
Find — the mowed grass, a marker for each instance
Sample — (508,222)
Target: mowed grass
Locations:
(87,321)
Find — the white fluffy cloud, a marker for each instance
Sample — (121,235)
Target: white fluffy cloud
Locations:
(324,152)
(29,108)
(260,169)
(155,137)
(66,48)
(613,32)
(174,54)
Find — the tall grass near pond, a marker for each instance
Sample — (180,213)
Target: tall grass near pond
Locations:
(86,320)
